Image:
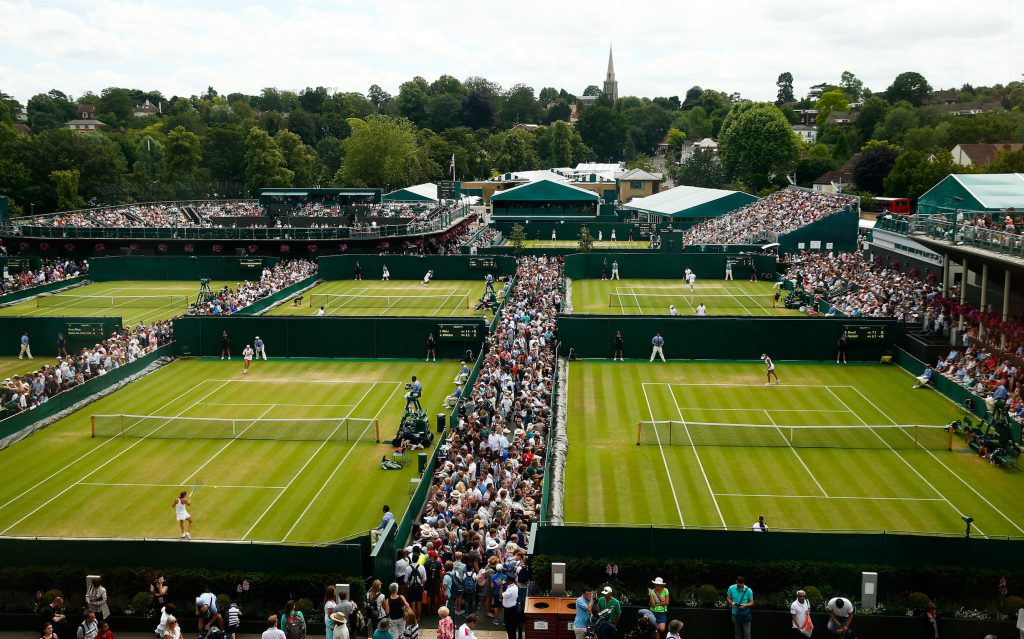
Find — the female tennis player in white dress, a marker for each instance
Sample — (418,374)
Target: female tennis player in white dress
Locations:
(181,505)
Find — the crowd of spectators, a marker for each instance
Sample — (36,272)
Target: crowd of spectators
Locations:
(488,237)
(56,270)
(135,215)
(25,392)
(781,212)
(230,300)
(490,474)
(229,208)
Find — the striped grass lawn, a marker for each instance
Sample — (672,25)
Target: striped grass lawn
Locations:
(132,301)
(62,482)
(654,296)
(855,478)
(13,366)
(407,298)
(598,244)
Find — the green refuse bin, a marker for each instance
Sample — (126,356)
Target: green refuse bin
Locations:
(421,462)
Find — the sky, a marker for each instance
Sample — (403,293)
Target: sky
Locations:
(662,48)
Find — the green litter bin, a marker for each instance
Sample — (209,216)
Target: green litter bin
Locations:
(421,462)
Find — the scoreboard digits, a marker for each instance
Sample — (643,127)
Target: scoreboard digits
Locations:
(874,333)
(467,332)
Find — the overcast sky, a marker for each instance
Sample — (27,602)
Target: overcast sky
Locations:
(661,47)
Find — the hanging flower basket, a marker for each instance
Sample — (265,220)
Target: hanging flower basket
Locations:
(44,246)
(384,246)
(286,248)
(253,248)
(161,247)
(69,246)
(23,246)
(343,247)
(217,248)
(99,247)
(134,246)
(190,247)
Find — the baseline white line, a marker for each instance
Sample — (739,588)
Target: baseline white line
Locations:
(637,300)
(264,380)
(269,404)
(684,385)
(99,483)
(700,464)
(829,496)
(98,468)
(797,455)
(664,460)
(308,461)
(903,459)
(86,454)
(252,422)
(774,410)
(950,470)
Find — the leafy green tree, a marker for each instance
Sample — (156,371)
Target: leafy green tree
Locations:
(702,170)
(816,91)
(592,89)
(412,100)
(443,111)
(852,86)
(604,131)
(116,105)
(647,126)
(477,111)
(377,96)
(1005,162)
(898,120)
(558,111)
(182,155)
(447,84)
(331,152)
(517,236)
(829,102)
(224,153)
(585,241)
(675,140)
(785,84)
(520,106)
(870,115)
(757,143)
(303,124)
(313,100)
(98,159)
(264,163)
(381,152)
(49,111)
(910,86)
(642,162)
(514,151)
(149,158)
(914,173)
(66,183)
(298,158)
(876,160)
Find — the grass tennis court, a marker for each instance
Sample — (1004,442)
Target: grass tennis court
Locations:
(133,301)
(653,297)
(598,244)
(713,473)
(62,482)
(443,298)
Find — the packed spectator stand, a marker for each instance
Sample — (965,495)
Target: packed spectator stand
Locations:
(765,220)
(49,271)
(272,280)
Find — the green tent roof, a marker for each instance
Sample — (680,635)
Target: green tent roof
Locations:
(974,192)
(545,191)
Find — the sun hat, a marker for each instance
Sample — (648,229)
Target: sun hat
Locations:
(338,617)
(607,590)
(658,581)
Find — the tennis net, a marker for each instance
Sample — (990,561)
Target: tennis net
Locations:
(340,429)
(899,437)
(65,300)
(334,301)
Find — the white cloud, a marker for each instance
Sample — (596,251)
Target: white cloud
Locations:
(661,47)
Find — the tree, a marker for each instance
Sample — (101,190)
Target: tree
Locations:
(829,102)
(517,236)
(871,113)
(300,159)
(149,158)
(675,140)
(785,84)
(313,100)
(520,106)
(1008,162)
(381,152)
(852,86)
(876,160)
(116,106)
(412,100)
(331,152)
(514,151)
(642,162)
(818,90)
(898,120)
(182,155)
(66,183)
(703,170)
(604,131)
(224,153)
(914,173)
(443,111)
(302,124)
(264,164)
(910,86)
(756,143)
(98,159)
(477,111)
(585,241)
(592,89)
(378,96)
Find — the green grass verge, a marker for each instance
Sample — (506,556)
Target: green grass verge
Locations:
(653,297)
(851,480)
(62,482)
(394,298)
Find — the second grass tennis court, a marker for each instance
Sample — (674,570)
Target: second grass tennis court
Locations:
(395,298)
(655,296)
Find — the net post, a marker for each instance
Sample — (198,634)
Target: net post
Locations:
(92,420)
(121,416)
(917,433)
(611,296)
(376,430)
(639,426)
(949,441)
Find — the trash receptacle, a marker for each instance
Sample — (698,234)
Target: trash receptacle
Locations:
(541,618)
(421,462)
(441,421)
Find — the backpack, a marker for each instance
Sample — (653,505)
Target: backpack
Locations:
(458,584)
(373,609)
(293,628)
(469,584)
(433,571)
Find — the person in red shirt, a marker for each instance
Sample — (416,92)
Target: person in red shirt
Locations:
(105,632)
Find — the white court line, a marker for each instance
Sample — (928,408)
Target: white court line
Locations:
(445,301)
(685,384)
(661,449)
(829,496)
(269,404)
(83,456)
(774,410)
(308,460)
(754,297)
(337,468)
(354,295)
(263,380)
(903,459)
(637,300)
(99,483)
(252,422)
(95,470)
(740,304)
(798,458)
(961,479)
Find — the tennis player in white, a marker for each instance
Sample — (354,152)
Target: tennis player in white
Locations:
(771,369)
(181,505)
(702,310)
(247,358)
(691,278)
(672,310)
(386,274)
(429,276)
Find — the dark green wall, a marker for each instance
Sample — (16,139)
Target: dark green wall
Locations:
(36,290)
(838,228)
(42,333)
(661,265)
(408,267)
(743,338)
(173,267)
(308,336)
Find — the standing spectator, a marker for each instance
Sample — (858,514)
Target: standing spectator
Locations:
(445,624)
(448,586)
(293,624)
(25,349)
(510,606)
(931,623)
(394,607)
(800,615)
(604,269)
(62,346)
(607,601)
(339,626)
(412,627)
(53,613)
(272,631)
(105,631)
(260,348)
(382,631)
(348,607)
(759,525)
(659,602)
(225,345)
(740,599)
(97,598)
(330,602)
(89,628)
(374,605)
(583,605)
(386,274)
(841,348)
(617,353)
(466,629)
(840,616)
(728,269)
(658,342)
(615,269)
(359,271)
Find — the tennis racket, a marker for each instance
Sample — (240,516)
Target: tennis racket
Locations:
(196,485)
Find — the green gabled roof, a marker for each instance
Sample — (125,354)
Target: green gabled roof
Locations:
(545,191)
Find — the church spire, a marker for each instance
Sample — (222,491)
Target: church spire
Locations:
(611,85)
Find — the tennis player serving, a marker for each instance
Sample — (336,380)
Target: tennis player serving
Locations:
(771,369)
(181,505)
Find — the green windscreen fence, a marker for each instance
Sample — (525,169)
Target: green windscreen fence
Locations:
(42,332)
(175,267)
